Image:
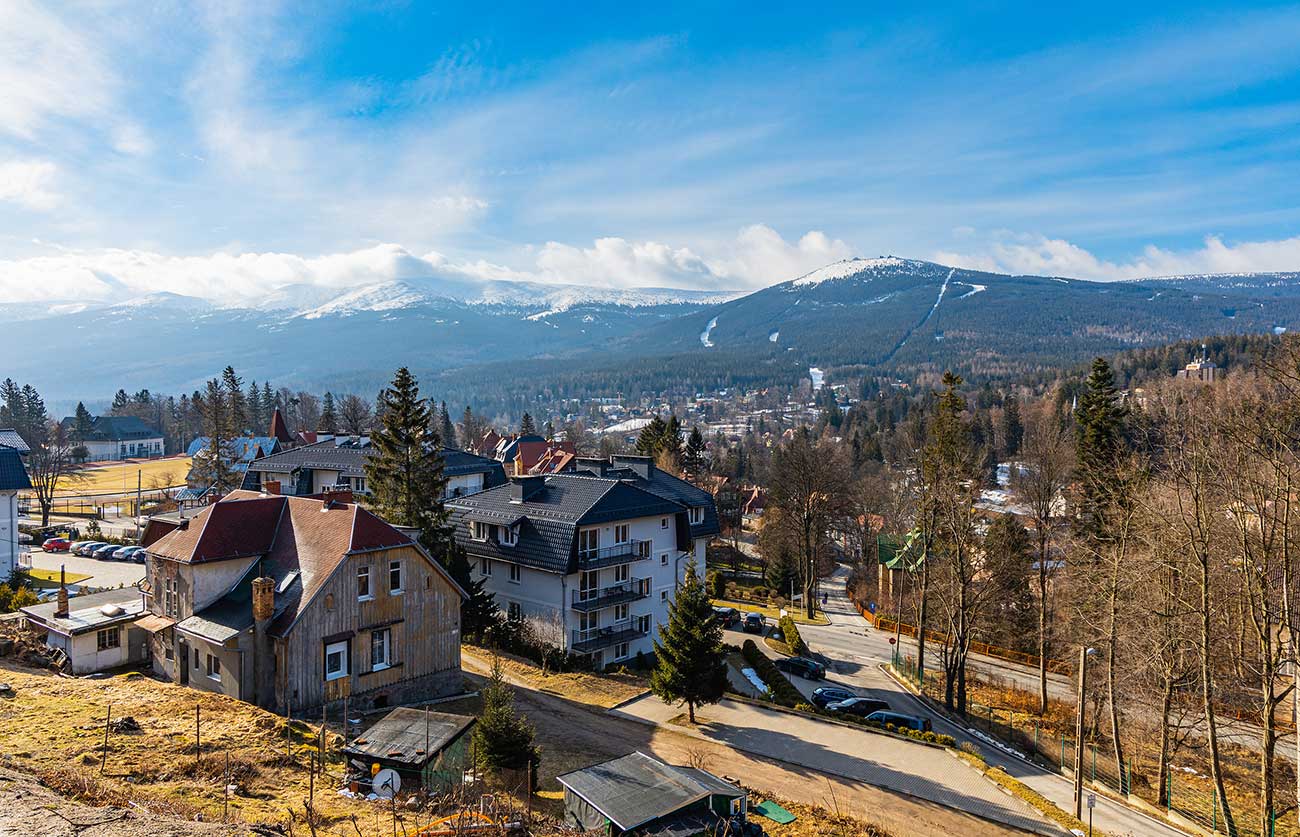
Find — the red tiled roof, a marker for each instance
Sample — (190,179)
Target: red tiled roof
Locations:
(236,527)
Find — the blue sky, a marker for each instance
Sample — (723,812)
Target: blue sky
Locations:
(235,149)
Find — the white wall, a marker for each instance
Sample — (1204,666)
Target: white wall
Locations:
(86,656)
(138,448)
(8,533)
(467,483)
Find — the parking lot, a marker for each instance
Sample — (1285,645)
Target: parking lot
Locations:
(102,573)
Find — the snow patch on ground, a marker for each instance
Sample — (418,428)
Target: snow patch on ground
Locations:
(708,330)
(974,289)
(752,677)
(818,377)
(847,267)
(774,336)
(993,742)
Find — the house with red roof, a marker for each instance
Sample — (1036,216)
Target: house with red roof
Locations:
(294,602)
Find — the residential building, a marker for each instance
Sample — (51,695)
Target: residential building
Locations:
(594,555)
(96,631)
(239,454)
(116,437)
(340,463)
(291,602)
(13,479)
(638,793)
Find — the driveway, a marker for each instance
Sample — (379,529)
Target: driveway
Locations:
(856,654)
(884,761)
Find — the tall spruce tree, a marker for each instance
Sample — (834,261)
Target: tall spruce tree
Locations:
(81,423)
(212,465)
(405,470)
(689,666)
(1013,431)
(259,416)
(526,425)
(1099,447)
(693,456)
(236,404)
(446,430)
(329,419)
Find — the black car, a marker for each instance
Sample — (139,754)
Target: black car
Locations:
(862,707)
(726,616)
(754,623)
(826,695)
(802,666)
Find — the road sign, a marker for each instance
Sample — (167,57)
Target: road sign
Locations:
(892,640)
(872,608)
(1092,801)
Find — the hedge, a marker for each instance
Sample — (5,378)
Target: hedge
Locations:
(783,691)
(790,633)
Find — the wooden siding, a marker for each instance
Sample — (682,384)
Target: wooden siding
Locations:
(424,620)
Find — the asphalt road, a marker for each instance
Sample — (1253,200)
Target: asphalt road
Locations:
(102,573)
(856,652)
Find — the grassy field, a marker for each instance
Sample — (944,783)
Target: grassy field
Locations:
(50,578)
(121,476)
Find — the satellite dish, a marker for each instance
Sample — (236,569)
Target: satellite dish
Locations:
(386,783)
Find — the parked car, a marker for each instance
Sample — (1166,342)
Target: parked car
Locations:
(24,538)
(898,719)
(824,696)
(88,549)
(802,666)
(77,545)
(860,706)
(107,552)
(754,623)
(726,616)
(56,544)
(130,553)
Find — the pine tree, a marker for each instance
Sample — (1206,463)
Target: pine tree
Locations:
(405,471)
(269,401)
(526,426)
(1099,442)
(81,423)
(478,611)
(693,456)
(329,420)
(121,402)
(258,415)
(445,428)
(212,465)
(782,574)
(650,437)
(236,405)
(502,740)
(1008,554)
(689,666)
(1013,431)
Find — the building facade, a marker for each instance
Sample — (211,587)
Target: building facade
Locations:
(13,479)
(593,556)
(117,437)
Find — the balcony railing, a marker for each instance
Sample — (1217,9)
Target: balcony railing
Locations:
(595,599)
(619,553)
(594,639)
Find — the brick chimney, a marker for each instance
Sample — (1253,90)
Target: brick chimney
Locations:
(263,647)
(61,609)
(332,497)
(271,487)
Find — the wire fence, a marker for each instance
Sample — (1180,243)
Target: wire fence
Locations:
(1188,796)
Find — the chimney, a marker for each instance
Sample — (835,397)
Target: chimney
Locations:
(61,609)
(263,649)
(593,464)
(271,487)
(522,489)
(332,497)
(643,466)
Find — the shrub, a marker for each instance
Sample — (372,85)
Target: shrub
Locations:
(783,691)
(717,585)
(759,593)
(790,632)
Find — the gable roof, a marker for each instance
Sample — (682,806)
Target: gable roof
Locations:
(9,438)
(636,789)
(350,460)
(641,472)
(279,428)
(13,474)
(116,428)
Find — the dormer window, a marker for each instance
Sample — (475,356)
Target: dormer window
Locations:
(696,515)
(509,535)
(479,531)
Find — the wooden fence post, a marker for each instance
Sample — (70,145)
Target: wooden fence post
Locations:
(108,720)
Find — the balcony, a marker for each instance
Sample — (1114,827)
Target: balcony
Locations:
(627,591)
(594,639)
(610,556)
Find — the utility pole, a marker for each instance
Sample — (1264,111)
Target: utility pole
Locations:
(1084,651)
(139,480)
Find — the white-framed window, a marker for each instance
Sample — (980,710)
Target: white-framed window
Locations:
(620,612)
(380,649)
(663,559)
(697,514)
(336,660)
(171,597)
(622,573)
(663,523)
(643,624)
(620,650)
(394,578)
(622,533)
(588,541)
(357,484)
(214,667)
(663,595)
(509,536)
(589,621)
(363,584)
(479,530)
(515,573)
(108,638)
(513,611)
(487,567)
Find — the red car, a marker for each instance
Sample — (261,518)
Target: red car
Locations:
(56,545)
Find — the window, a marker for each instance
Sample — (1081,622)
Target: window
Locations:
(509,536)
(663,523)
(171,597)
(589,621)
(109,638)
(588,584)
(169,653)
(512,610)
(697,514)
(196,658)
(621,573)
(487,567)
(514,573)
(620,651)
(622,533)
(663,595)
(643,624)
(588,542)
(336,660)
(663,560)
(380,652)
(214,667)
(620,613)
(479,531)
(363,584)
(394,578)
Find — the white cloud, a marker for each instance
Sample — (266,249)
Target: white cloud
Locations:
(29,183)
(1036,254)
(48,70)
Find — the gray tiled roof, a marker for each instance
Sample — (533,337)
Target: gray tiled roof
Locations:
(350,460)
(10,439)
(636,789)
(116,428)
(678,490)
(13,474)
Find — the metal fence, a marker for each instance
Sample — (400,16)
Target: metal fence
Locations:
(1184,798)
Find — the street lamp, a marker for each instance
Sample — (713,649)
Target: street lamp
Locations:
(1084,654)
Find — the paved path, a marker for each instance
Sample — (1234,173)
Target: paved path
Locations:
(915,769)
(102,573)
(857,652)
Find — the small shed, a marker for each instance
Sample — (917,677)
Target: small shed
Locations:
(640,795)
(96,631)
(420,744)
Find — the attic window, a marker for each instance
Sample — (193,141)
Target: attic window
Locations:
(478,530)
(697,515)
(509,536)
